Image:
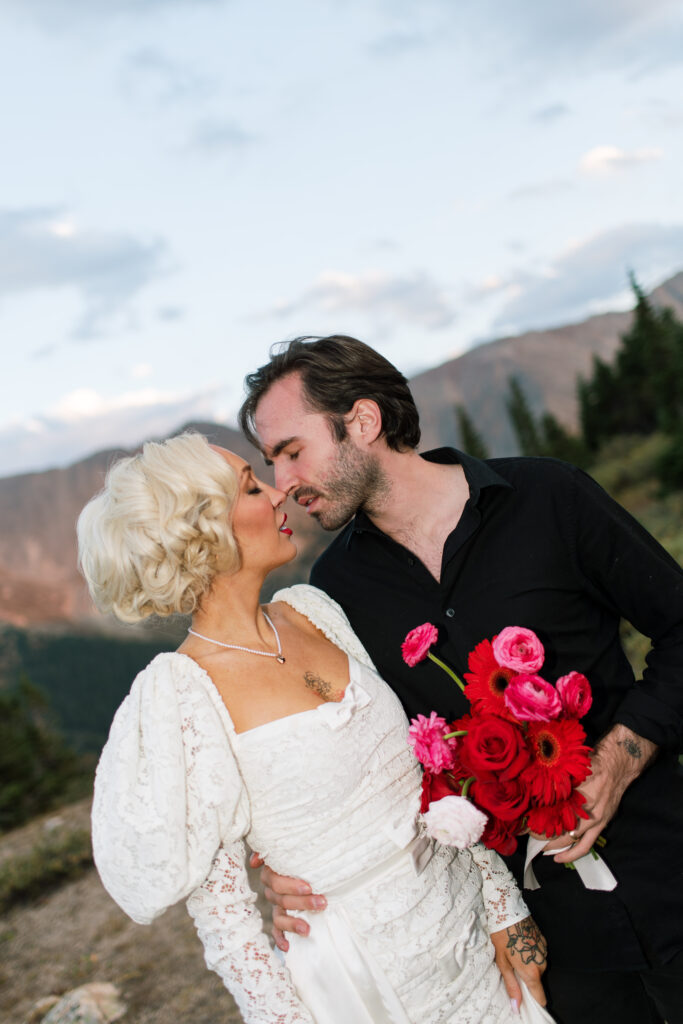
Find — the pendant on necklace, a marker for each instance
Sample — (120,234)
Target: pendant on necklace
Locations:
(281,659)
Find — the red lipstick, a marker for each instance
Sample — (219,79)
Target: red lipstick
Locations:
(285,529)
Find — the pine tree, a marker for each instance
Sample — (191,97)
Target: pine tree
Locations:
(643,390)
(36,766)
(471,440)
(597,404)
(557,442)
(522,419)
(544,435)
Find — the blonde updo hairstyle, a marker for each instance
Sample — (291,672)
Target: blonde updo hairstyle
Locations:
(154,538)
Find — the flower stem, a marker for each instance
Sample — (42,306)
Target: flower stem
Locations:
(458,732)
(466,785)
(451,673)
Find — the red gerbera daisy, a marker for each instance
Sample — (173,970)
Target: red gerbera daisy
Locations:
(559,759)
(486,681)
(557,818)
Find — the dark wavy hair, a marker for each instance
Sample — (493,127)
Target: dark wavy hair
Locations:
(335,372)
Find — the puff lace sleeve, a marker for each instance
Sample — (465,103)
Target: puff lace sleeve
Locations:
(502,898)
(169,815)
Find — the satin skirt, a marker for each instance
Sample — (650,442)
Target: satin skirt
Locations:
(336,975)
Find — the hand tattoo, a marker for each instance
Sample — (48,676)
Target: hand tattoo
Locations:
(631,747)
(526,941)
(322,687)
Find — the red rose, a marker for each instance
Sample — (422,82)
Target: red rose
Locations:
(501,836)
(554,819)
(434,787)
(532,699)
(506,800)
(493,747)
(519,649)
(575,693)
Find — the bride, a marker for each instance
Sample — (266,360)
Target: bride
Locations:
(270,725)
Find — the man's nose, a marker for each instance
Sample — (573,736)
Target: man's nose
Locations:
(285,479)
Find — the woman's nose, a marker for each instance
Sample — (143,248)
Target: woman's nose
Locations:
(276,496)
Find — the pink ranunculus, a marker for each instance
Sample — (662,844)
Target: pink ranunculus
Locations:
(455,821)
(575,694)
(416,645)
(519,649)
(532,699)
(426,737)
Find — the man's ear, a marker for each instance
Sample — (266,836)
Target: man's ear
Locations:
(364,421)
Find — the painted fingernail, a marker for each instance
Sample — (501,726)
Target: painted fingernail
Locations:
(304,890)
(319,902)
(302,929)
(514,1005)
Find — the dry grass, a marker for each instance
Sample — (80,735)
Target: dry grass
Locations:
(75,934)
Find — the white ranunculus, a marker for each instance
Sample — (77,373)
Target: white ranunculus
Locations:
(455,821)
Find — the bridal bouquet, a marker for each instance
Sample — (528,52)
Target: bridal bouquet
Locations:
(514,762)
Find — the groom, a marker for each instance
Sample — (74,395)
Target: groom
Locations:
(472,547)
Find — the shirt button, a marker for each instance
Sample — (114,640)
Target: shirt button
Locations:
(411,561)
(450,612)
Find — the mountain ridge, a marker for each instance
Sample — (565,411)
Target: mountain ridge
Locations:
(39,579)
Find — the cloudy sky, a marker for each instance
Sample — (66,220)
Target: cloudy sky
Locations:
(185,182)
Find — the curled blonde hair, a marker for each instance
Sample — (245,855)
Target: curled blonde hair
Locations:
(152,541)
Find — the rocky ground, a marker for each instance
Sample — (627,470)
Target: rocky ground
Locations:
(76,935)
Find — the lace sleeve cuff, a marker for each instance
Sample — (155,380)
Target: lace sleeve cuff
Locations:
(502,898)
(237,949)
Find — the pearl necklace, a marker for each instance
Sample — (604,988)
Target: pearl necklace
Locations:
(249,650)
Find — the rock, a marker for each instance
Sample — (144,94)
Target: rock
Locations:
(40,1009)
(96,1003)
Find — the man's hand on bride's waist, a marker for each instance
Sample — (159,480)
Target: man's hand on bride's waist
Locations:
(286,894)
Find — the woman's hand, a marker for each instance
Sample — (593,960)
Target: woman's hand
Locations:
(521,948)
(285,894)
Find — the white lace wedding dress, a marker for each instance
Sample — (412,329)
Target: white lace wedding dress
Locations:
(330,795)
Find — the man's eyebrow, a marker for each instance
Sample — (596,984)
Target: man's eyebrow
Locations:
(279,447)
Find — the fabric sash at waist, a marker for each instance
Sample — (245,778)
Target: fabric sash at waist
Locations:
(334,972)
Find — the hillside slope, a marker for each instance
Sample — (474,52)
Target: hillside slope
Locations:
(547,362)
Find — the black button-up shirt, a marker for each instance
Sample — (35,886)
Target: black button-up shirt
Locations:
(541,545)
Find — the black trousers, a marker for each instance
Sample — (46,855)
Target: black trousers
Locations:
(617,997)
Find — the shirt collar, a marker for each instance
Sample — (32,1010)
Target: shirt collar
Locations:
(479,475)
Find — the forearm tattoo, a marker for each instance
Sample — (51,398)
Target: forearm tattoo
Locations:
(631,747)
(526,941)
(320,686)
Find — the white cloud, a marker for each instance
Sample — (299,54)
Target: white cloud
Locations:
(583,34)
(43,249)
(84,421)
(589,275)
(78,13)
(141,370)
(541,190)
(414,298)
(86,403)
(216,137)
(552,112)
(153,77)
(603,160)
